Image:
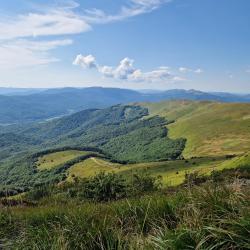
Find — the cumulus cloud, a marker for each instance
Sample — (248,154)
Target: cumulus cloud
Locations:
(85,61)
(125,70)
(185,70)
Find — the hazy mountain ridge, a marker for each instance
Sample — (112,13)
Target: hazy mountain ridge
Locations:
(56,102)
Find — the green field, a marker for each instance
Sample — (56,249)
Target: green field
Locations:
(52,160)
(172,172)
(211,128)
(237,162)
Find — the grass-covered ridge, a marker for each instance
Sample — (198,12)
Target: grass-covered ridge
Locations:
(211,128)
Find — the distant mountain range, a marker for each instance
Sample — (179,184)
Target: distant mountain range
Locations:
(28,105)
(19,91)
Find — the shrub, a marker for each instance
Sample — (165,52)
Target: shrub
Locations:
(104,187)
(194,179)
(39,193)
(143,182)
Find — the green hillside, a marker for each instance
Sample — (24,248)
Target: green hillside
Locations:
(172,172)
(49,161)
(116,179)
(121,133)
(237,162)
(211,128)
(148,137)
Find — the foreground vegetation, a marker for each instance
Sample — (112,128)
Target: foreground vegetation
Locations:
(105,213)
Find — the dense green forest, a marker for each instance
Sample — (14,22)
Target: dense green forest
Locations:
(120,133)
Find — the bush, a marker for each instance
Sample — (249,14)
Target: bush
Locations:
(194,179)
(39,193)
(143,182)
(110,186)
(104,187)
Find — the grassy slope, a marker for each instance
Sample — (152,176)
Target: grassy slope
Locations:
(172,172)
(217,218)
(52,160)
(237,162)
(211,129)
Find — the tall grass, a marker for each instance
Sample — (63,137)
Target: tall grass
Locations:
(210,216)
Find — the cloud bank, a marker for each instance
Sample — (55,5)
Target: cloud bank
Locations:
(126,70)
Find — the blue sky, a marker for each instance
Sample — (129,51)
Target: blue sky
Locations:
(140,44)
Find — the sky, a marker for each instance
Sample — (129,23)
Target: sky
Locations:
(138,44)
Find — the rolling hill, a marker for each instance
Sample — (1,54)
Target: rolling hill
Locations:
(211,128)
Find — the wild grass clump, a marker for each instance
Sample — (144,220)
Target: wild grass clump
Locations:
(212,217)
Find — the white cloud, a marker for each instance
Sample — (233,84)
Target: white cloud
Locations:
(198,71)
(152,76)
(133,8)
(19,43)
(185,70)
(40,45)
(85,61)
(54,22)
(20,35)
(25,53)
(125,70)
(64,20)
